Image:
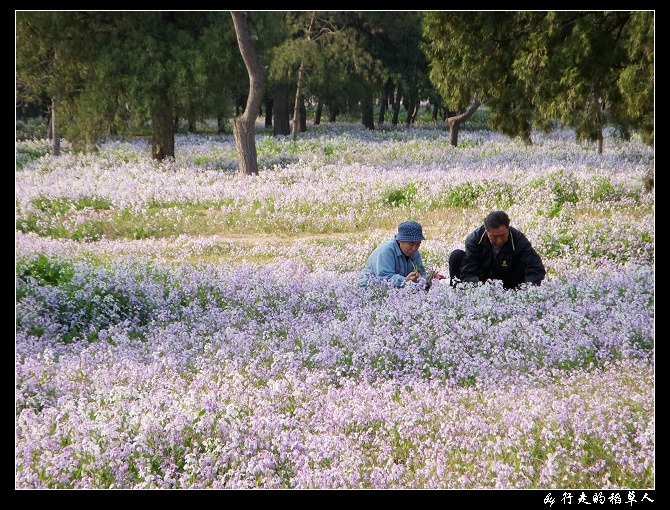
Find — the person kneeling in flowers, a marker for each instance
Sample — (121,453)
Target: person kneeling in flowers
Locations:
(398,260)
(496,251)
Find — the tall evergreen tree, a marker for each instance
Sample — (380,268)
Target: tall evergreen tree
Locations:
(572,64)
(45,44)
(394,40)
(114,71)
(322,57)
(636,81)
(581,69)
(471,56)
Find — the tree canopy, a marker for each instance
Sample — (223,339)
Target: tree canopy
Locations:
(116,72)
(581,69)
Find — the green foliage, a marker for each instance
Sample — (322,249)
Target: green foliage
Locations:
(45,270)
(88,303)
(561,187)
(87,230)
(116,71)
(156,222)
(585,70)
(52,218)
(463,195)
(601,189)
(31,129)
(559,244)
(636,80)
(26,154)
(454,41)
(269,145)
(495,194)
(63,205)
(401,196)
(585,358)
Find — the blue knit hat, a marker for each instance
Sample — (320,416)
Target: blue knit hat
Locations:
(410,231)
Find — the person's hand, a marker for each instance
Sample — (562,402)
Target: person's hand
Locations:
(413,276)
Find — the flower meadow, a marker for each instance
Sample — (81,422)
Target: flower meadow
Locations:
(179,326)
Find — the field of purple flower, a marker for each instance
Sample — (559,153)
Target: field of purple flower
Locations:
(181,326)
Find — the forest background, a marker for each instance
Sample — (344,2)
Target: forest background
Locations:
(183,322)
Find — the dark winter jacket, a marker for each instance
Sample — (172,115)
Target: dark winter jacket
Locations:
(516,263)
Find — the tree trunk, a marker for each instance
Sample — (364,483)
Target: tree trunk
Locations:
(368,109)
(455,122)
(411,113)
(303,114)
(396,105)
(445,114)
(526,132)
(318,111)
(239,106)
(244,126)
(282,124)
(162,130)
(599,129)
(55,135)
(382,111)
(297,124)
(269,104)
(385,101)
(417,109)
(368,115)
(298,95)
(333,112)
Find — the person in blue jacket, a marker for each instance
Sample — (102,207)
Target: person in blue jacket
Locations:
(397,260)
(496,251)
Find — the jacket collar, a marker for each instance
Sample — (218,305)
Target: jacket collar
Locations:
(484,239)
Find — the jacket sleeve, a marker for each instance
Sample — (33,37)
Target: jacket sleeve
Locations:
(386,269)
(472,266)
(535,270)
(381,265)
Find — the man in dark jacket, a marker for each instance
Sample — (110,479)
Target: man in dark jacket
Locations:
(496,251)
